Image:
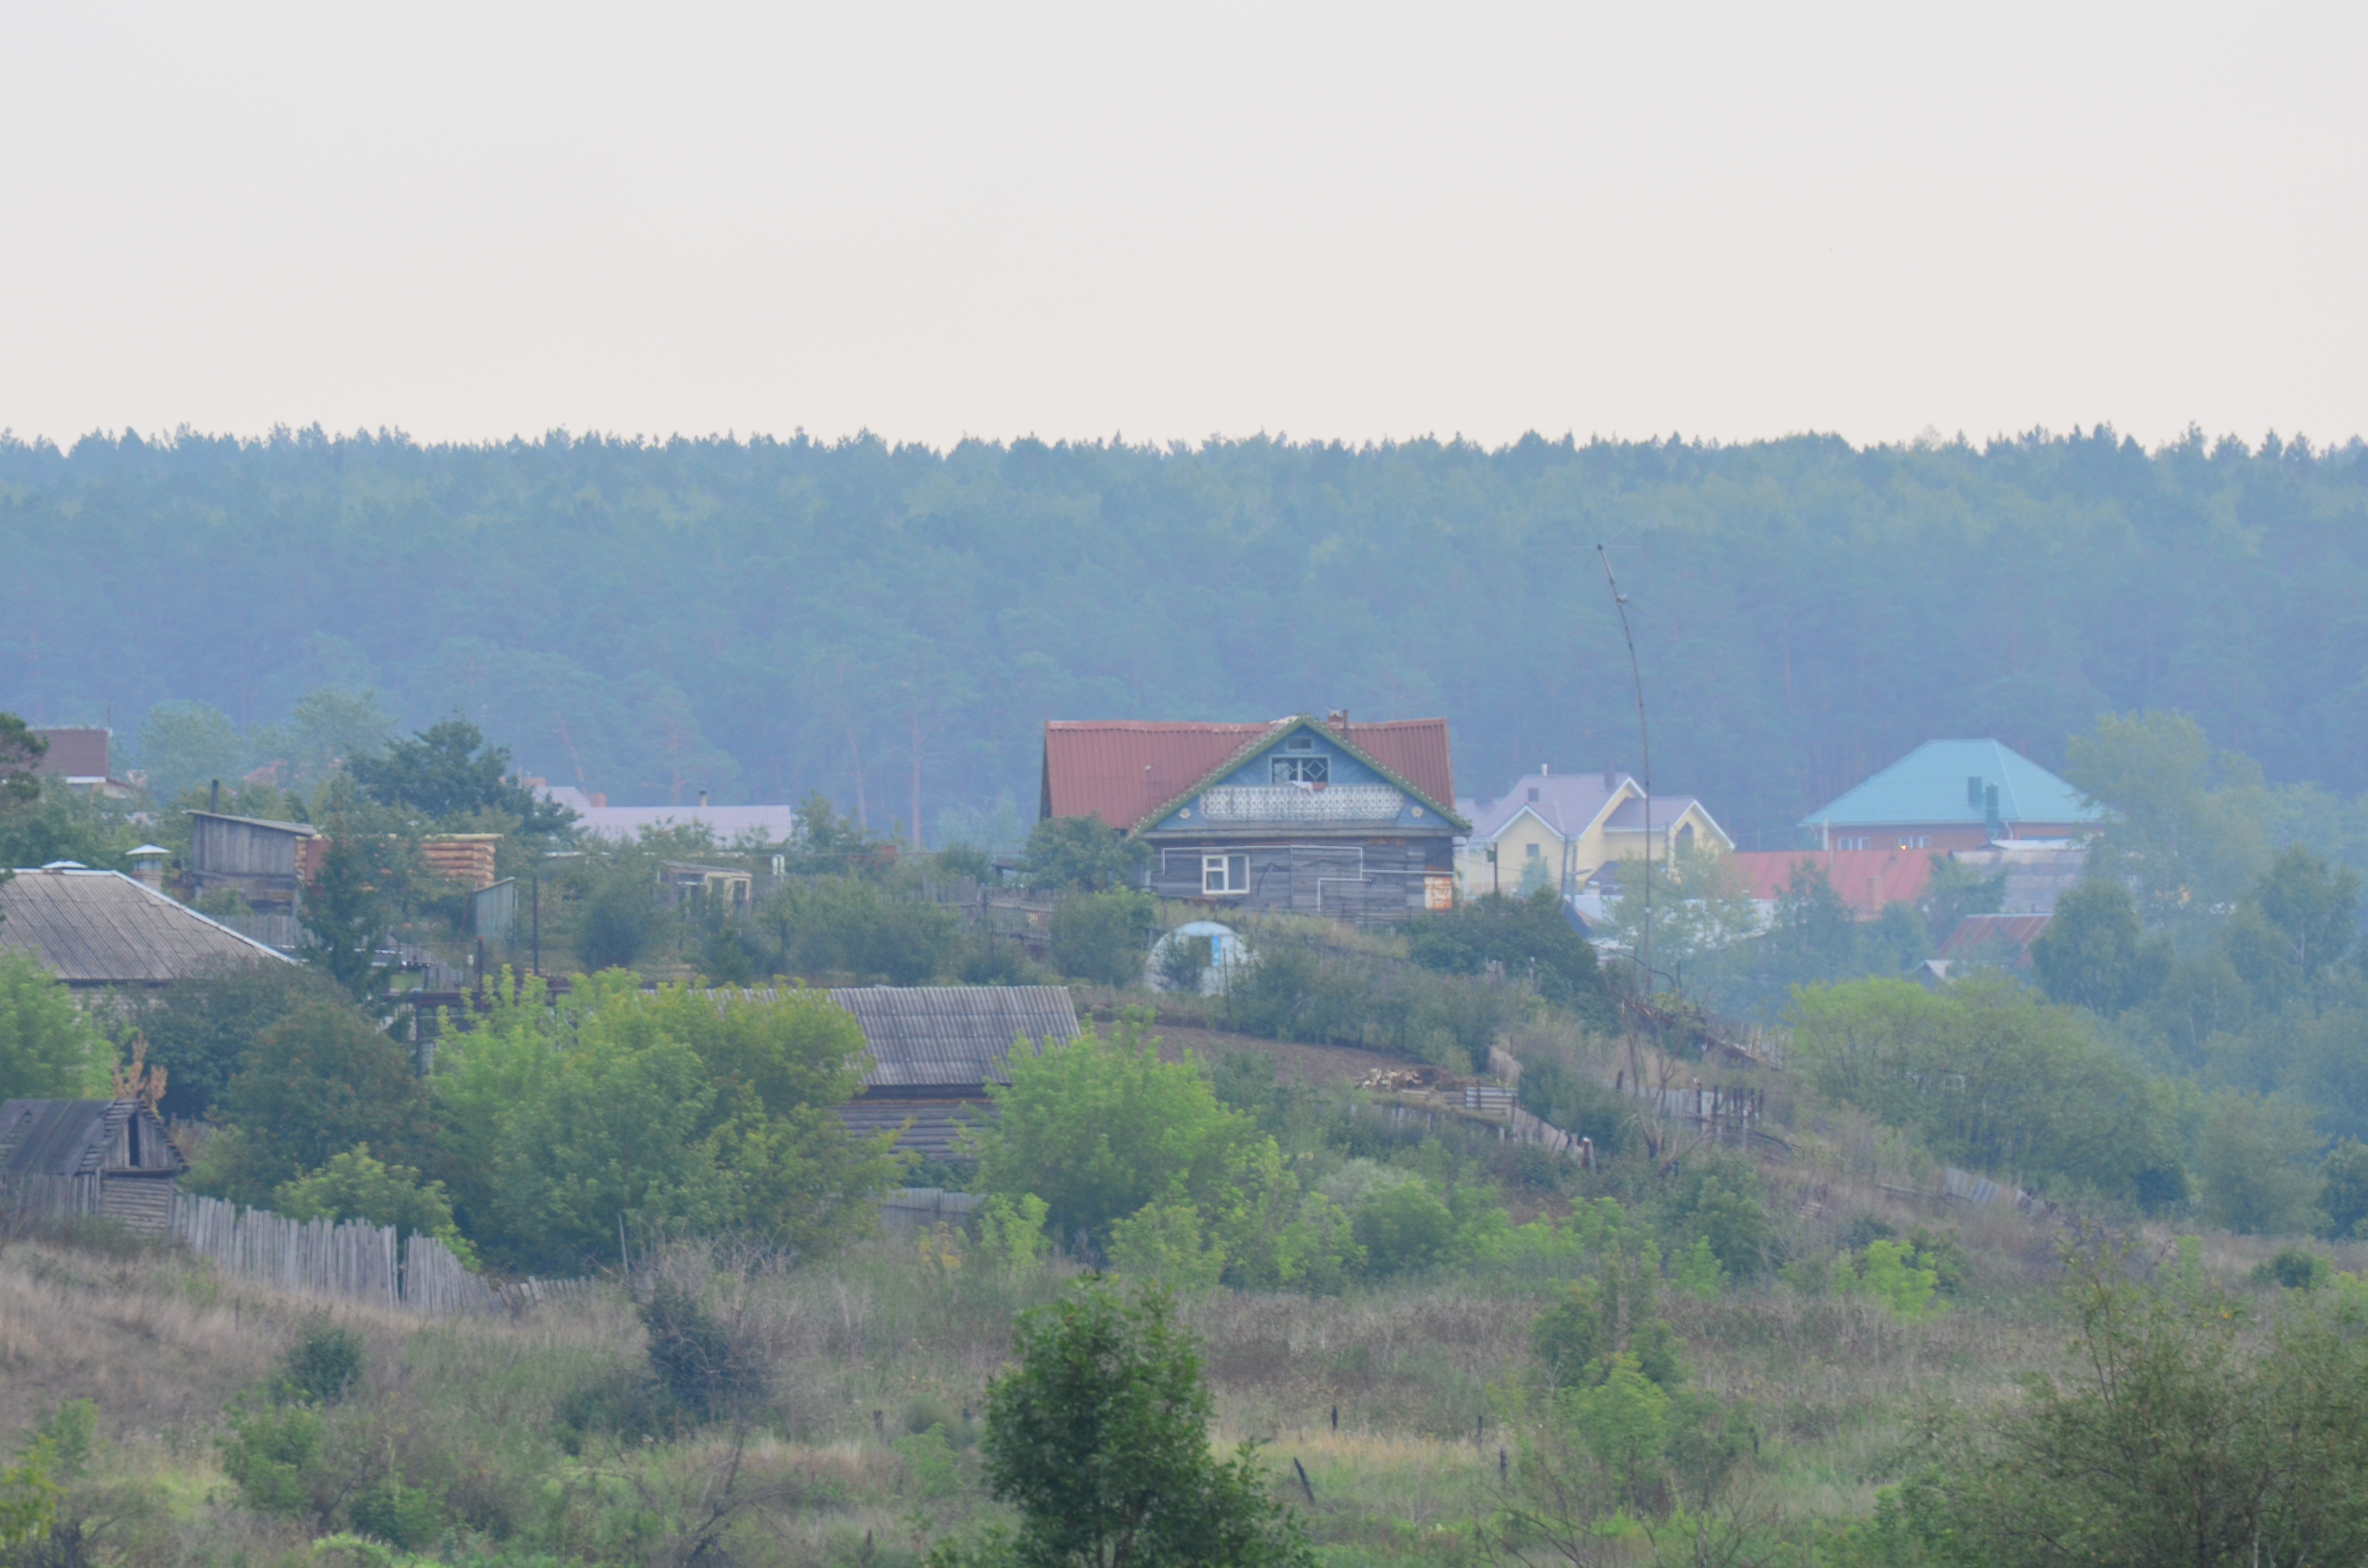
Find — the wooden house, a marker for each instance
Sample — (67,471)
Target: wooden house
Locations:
(1354,821)
(109,1157)
(932,1051)
(1556,830)
(98,930)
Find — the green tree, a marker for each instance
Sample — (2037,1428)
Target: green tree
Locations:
(449,771)
(1099,1127)
(2343,1188)
(20,763)
(1992,1077)
(2313,905)
(1404,1229)
(316,1084)
(2094,954)
(1527,936)
(2256,1159)
(1084,853)
(49,1049)
(347,909)
(1956,891)
(328,727)
(353,1185)
(2179,1431)
(199,1026)
(1099,1436)
(2185,823)
(843,925)
(1103,936)
(188,746)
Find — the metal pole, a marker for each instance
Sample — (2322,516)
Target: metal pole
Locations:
(1644,739)
(538,924)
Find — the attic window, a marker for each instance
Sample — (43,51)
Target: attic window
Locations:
(1303,770)
(1533,791)
(1300,743)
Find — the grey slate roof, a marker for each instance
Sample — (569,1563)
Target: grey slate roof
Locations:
(51,1137)
(103,929)
(950,1036)
(67,1138)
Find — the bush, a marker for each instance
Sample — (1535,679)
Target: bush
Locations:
(706,1369)
(1526,936)
(626,1403)
(2294,1269)
(323,1365)
(1579,1103)
(273,1454)
(47,1048)
(1102,937)
(410,1517)
(1404,1229)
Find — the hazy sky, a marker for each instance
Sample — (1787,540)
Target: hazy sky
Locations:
(1357,222)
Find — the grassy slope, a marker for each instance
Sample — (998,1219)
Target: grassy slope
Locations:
(887,1338)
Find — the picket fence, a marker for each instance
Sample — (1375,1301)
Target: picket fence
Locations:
(354,1259)
(50,1196)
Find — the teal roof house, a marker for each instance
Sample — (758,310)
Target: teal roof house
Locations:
(1953,795)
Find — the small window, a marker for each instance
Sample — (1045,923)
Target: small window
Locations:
(1529,851)
(1300,743)
(1916,841)
(1224,873)
(1302,769)
(1533,791)
(1852,842)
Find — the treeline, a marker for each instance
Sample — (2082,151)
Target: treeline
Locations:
(770,618)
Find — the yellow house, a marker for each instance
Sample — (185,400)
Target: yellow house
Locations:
(1554,830)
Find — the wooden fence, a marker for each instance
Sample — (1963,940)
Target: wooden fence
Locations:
(353,1259)
(50,1196)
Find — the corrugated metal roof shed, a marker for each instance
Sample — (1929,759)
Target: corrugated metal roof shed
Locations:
(941,1037)
(74,753)
(103,929)
(1123,770)
(1867,879)
(1928,787)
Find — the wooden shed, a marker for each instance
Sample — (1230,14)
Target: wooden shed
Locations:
(257,858)
(107,1157)
(935,1049)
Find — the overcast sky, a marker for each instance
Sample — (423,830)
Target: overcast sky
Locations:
(1357,221)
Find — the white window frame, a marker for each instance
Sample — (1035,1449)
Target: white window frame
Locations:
(1295,769)
(1225,875)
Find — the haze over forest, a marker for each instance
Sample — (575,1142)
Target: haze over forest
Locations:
(765,618)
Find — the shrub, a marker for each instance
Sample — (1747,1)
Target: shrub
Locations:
(1102,937)
(708,1370)
(1403,1228)
(324,1364)
(410,1517)
(624,1402)
(47,1048)
(2294,1269)
(273,1454)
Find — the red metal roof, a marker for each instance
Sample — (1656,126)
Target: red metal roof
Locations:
(1987,935)
(1122,770)
(1865,878)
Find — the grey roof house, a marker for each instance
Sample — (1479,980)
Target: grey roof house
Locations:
(935,1049)
(102,928)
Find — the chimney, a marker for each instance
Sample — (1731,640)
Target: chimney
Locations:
(1541,770)
(702,800)
(213,797)
(1336,720)
(1609,783)
(1974,790)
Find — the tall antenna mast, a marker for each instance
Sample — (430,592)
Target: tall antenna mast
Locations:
(1644,739)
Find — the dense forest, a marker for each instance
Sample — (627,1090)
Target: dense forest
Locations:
(765,618)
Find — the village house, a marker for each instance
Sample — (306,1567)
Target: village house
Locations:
(1556,830)
(80,757)
(94,930)
(1352,821)
(1953,795)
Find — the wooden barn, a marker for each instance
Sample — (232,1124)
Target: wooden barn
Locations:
(935,1048)
(260,859)
(107,1157)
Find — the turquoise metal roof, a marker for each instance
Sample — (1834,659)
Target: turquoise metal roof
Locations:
(1929,785)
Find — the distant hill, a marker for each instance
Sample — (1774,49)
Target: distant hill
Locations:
(764,619)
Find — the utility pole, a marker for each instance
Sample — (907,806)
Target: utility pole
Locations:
(1644,740)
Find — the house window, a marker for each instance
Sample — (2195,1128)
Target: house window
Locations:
(1915,841)
(1847,841)
(1300,743)
(1302,769)
(1224,873)
(1529,851)
(1533,791)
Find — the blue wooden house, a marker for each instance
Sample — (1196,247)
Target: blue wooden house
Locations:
(1353,822)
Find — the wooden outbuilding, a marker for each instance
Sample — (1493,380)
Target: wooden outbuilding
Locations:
(107,1157)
